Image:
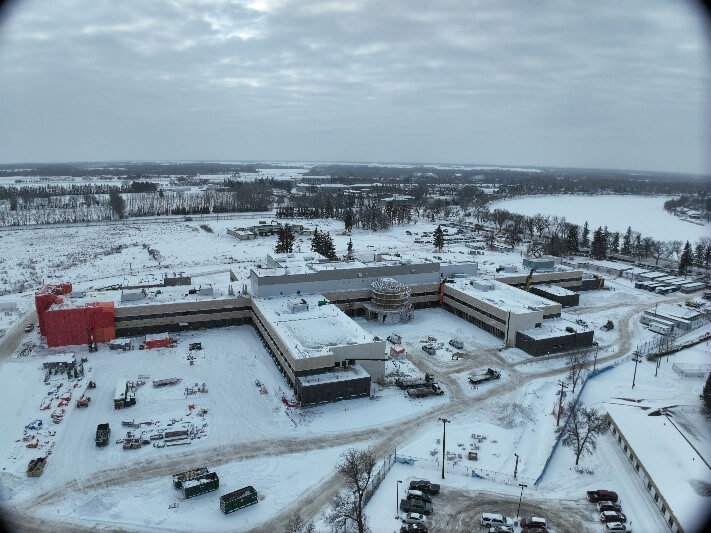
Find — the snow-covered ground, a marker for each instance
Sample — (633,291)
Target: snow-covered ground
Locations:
(644,214)
(253,438)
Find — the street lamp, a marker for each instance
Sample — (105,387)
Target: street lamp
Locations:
(397,498)
(516,467)
(518,511)
(636,360)
(444,436)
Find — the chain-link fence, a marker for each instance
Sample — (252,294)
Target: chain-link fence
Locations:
(378,477)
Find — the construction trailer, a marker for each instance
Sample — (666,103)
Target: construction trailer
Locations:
(239,499)
(157,341)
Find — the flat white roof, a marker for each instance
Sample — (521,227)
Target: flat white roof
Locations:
(675,467)
(66,358)
(553,328)
(555,289)
(313,332)
(342,374)
(503,296)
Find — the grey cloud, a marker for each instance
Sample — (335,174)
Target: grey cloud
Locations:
(599,84)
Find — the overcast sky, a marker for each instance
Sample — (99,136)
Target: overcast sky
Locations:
(589,84)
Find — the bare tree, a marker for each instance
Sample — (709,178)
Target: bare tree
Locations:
(296,524)
(577,362)
(582,429)
(356,468)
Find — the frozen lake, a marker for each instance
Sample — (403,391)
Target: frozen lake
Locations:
(644,213)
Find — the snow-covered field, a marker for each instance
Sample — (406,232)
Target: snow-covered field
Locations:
(644,214)
(251,437)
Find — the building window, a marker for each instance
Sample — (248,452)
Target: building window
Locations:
(351,361)
(337,364)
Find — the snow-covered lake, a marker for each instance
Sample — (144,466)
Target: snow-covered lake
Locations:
(644,213)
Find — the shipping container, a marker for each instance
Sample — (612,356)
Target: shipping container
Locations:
(238,499)
(182,477)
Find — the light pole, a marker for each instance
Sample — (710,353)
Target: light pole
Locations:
(595,361)
(560,402)
(397,498)
(636,360)
(444,436)
(516,467)
(518,511)
(657,366)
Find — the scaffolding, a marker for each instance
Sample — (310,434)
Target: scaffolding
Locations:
(390,302)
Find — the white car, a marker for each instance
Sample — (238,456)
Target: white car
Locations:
(618,526)
(414,518)
(495,519)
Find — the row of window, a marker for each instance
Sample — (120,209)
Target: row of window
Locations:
(177,314)
(475,308)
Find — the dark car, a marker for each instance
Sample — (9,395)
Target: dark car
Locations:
(413,528)
(534,529)
(609,506)
(601,495)
(425,486)
(418,495)
(534,522)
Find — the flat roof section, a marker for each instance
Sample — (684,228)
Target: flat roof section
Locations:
(675,467)
(556,290)
(314,331)
(552,329)
(502,296)
(343,374)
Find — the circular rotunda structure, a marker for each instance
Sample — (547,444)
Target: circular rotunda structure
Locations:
(390,301)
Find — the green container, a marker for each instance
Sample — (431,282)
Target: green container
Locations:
(233,501)
(200,485)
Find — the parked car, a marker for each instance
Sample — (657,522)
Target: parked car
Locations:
(414,518)
(414,528)
(534,530)
(429,349)
(415,506)
(495,519)
(425,486)
(617,526)
(456,343)
(608,506)
(601,495)
(395,338)
(612,516)
(501,529)
(534,521)
(414,494)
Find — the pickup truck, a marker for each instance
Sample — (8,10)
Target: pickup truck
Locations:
(425,486)
(415,506)
(102,434)
(481,377)
(601,495)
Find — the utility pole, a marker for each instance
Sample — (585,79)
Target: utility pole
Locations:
(518,512)
(397,498)
(657,366)
(636,360)
(444,436)
(595,361)
(516,467)
(560,401)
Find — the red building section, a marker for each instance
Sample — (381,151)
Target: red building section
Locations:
(48,296)
(66,326)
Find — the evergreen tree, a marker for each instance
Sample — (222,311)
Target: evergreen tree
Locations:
(615,246)
(686,260)
(348,219)
(572,239)
(699,254)
(707,257)
(627,242)
(350,249)
(706,394)
(585,237)
(438,238)
(316,241)
(285,240)
(598,248)
(327,248)
(117,203)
